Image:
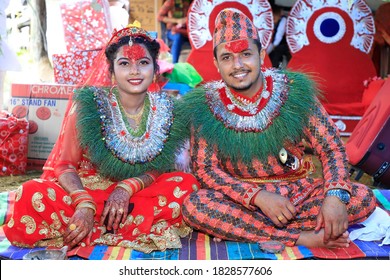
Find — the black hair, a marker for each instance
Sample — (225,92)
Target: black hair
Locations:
(256,41)
(152,46)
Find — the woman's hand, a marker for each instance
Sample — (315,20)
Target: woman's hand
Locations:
(116,209)
(276,207)
(80,225)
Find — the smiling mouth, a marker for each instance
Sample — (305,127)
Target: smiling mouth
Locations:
(240,75)
(135,81)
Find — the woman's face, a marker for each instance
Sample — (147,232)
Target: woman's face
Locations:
(133,69)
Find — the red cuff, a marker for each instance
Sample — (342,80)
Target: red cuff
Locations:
(338,185)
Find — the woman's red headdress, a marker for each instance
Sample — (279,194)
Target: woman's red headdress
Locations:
(99,74)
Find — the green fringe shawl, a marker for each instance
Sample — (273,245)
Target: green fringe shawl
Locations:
(109,166)
(287,127)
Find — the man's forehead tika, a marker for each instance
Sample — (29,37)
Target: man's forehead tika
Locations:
(237,46)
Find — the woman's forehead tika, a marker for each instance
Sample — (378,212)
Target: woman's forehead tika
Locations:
(134,52)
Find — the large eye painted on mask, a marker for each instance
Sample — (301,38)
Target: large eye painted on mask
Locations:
(329,27)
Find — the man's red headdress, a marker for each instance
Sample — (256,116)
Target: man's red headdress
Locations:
(235,28)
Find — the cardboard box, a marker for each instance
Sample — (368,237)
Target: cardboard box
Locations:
(43,105)
(345,124)
(146,13)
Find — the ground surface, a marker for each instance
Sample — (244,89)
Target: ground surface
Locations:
(8,183)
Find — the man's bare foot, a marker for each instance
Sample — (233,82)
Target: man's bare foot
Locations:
(316,239)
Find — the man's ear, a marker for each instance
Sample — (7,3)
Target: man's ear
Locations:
(262,56)
(216,63)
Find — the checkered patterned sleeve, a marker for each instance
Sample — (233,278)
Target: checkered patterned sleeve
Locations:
(210,173)
(324,138)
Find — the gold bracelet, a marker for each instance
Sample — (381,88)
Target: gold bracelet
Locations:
(140,181)
(89,205)
(125,187)
(135,186)
(77,191)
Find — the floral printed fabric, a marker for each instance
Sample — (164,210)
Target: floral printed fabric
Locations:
(13,144)
(86,24)
(70,68)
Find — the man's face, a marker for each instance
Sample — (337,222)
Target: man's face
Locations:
(239,64)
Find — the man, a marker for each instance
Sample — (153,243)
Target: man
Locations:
(247,151)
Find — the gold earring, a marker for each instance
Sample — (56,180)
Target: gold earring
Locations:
(112,88)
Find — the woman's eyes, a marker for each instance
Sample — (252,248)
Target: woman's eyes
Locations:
(144,62)
(140,62)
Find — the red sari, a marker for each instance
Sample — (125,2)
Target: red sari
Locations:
(43,208)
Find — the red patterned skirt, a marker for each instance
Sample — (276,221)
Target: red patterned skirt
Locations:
(216,214)
(42,211)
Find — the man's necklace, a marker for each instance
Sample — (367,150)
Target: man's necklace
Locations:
(246,105)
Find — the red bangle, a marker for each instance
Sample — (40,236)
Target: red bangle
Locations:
(81,196)
(133,184)
(252,201)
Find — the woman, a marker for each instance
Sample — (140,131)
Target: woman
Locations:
(102,182)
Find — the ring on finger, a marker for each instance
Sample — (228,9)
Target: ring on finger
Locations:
(120,210)
(280,217)
(72,227)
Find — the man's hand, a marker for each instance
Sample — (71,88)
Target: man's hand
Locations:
(333,217)
(276,207)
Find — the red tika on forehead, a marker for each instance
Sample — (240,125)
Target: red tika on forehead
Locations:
(237,46)
(134,52)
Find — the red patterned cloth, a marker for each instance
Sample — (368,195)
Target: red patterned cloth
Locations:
(13,144)
(70,68)
(232,25)
(42,211)
(86,24)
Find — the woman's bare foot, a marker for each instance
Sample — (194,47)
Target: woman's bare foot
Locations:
(316,239)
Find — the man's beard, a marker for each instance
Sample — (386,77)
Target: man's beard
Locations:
(244,87)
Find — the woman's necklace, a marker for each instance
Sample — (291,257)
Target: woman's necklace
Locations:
(136,117)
